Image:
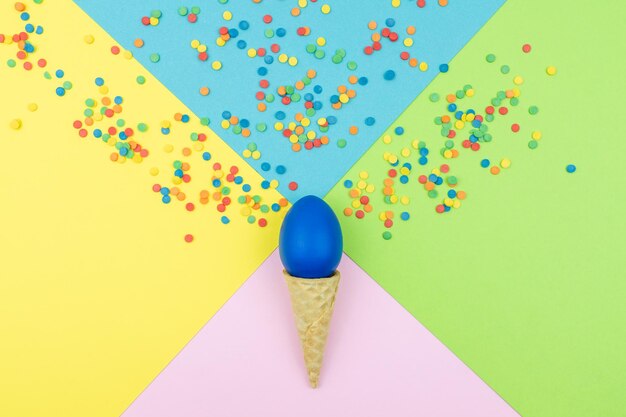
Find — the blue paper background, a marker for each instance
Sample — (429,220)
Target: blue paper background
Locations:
(440,33)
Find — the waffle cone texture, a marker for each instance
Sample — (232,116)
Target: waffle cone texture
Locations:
(313,301)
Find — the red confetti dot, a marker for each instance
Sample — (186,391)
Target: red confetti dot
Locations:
(475,146)
(293,186)
(503,110)
(440,208)
(203,56)
(116,49)
(451,133)
(444,168)
(190,206)
(77,124)
(188,238)
(145,21)
(156,188)
(267,18)
(422,179)
(377,46)
(368,50)
(192,18)
(515,127)
(359,214)
(28,66)
(404,56)
(421,3)
(489,110)
(392,173)
(364,199)
(393,36)
(526,48)
(262,222)
(388,223)
(82,133)
(42,62)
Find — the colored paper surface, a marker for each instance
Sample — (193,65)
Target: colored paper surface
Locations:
(378,361)
(98,288)
(440,32)
(524,282)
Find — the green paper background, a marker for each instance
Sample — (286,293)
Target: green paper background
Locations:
(525,282)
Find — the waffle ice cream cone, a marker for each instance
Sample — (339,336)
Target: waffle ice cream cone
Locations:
(313,300)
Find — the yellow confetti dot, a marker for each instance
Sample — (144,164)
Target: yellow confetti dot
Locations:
(361,185)
(227,15)
(387,139)
(370,188)
(154,21)
(404,200)
(321,41)
(89,39)
(470,92)
(325,9)
(274,184)
(293,61)
(154,171)
(356,203)
(16,124)
(302,3)
(225,124)
(256,155)
(195,43)
(222,42)
(551,70)
(168,148)
(32,107)
(202,48)
(395,3)
(536,135)
(128,55)
(246,153)
(251,52)
(518,80)
(216,65)
(282,58)
(408,42)
(505,163)
(364,175)
(423,66)
(406,152)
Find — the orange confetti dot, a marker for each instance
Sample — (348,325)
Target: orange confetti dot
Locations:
(354,130)
(204,91)
(495,170)
(138,43)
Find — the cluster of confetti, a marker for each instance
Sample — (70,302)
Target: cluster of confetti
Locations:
(463,128)
(25,41)
(306,112)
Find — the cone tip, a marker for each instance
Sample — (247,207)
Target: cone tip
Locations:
(313,378)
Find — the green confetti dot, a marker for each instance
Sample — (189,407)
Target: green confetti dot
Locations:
(195,10)
(205,121)
(433,194)
(341,143)
(319,54)
(352,65)
(261,127)
(155,57)
(533,144)
(142,127)
(504,69)
(434,97)
(11,63)
(141,80)
(156,13)
(183,11)
(67,85)
(533,110)
(386,235)
(490,58)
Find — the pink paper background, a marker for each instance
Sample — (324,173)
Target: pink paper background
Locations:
(379,361)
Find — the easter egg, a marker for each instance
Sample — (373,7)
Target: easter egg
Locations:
(310,239)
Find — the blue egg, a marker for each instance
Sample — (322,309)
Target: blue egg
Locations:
(310,239)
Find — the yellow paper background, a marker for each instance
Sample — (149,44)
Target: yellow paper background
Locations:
(98,290)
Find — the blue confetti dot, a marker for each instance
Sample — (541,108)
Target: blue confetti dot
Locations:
(390,22)
(265,166)
(571,168)
(244,25)
(399,130)
(484,163)
(389,75)
(225,220)
(405,216)
(369,121)
(347,184)
(444,68)
(59,73)
(280,169)
(60,91)
(206,156)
